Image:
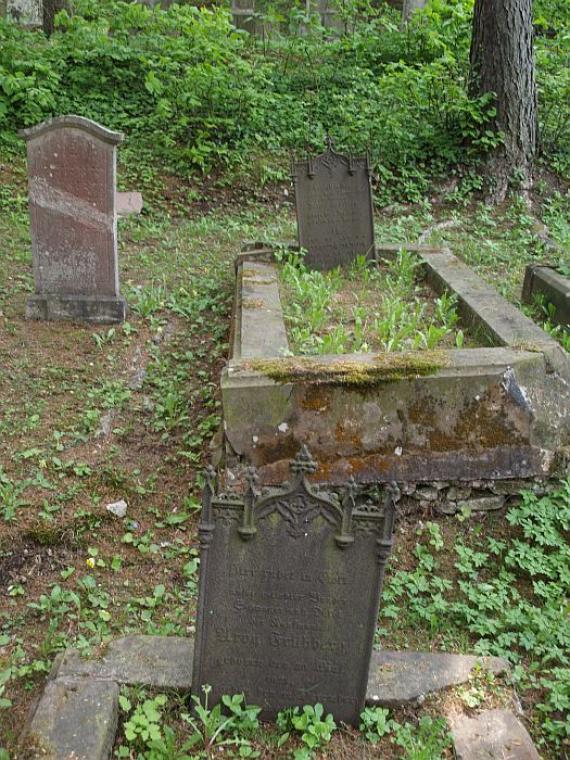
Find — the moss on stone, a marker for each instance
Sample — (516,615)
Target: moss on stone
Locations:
(382,368)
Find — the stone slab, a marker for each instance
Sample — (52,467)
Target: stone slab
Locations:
(76,719)
(333,199)
(491,735)
(160,661)
(24,12)
(402,678)
(480,304)
(94,309)
(129,203)
(546,281)
(290,584)
(259,329)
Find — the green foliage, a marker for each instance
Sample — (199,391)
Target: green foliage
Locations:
(375,723)
(314,727)
(226,724)
(193,93)
(426,742)
(511,596)
(397,319)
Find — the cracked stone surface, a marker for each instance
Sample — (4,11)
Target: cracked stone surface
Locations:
(75,719)
(161,661)
(400,678)
(491,735)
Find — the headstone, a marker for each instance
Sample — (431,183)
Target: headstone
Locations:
(333,198)
(290,582)
(72,178)
(243,16)
(25,12)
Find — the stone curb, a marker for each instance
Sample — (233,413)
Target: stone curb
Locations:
(76,717)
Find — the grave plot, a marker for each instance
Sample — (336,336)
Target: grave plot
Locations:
(457,426)
(367,306)
(498,412)
(460,425)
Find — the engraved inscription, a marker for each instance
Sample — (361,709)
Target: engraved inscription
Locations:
(288,607)
(71,171)
(334,209)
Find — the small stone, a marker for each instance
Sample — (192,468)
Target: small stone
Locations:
(491,735)
(427,493)
(117,508)
(483,504)
(447,508)
(457,493)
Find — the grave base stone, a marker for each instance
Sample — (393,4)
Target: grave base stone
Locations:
(77,309)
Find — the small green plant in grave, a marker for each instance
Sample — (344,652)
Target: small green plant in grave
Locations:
(314,727)
(375,723)
(230,723)
(428,741)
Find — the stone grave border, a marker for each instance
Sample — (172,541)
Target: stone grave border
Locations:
(76,716)
(541,279)
(265,394)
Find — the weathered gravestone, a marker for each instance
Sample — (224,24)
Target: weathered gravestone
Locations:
(25,12)
(72,178)
(290,583)
(334,208)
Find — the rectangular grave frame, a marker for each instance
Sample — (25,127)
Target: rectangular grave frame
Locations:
(497,413)
(338,655)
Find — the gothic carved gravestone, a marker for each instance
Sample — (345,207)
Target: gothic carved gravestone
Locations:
(334,208)
(72,178)
(290,583)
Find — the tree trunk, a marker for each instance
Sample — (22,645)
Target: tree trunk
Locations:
(409,6)
(502,62)
(50,9)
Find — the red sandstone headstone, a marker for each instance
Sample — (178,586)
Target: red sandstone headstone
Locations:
(72,189)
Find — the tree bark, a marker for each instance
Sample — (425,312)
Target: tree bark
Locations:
(409,6)
(502,62)
(50,9)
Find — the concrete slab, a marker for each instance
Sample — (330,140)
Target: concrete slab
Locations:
(76,719)
(129,203)
(160,661)
(403,678)
(259,329)
(491,735)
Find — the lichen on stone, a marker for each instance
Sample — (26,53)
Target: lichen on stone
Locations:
(380,368)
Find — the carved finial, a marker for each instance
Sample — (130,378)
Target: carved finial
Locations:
(251,477)
(303,462)
(211,475)
(330,143)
